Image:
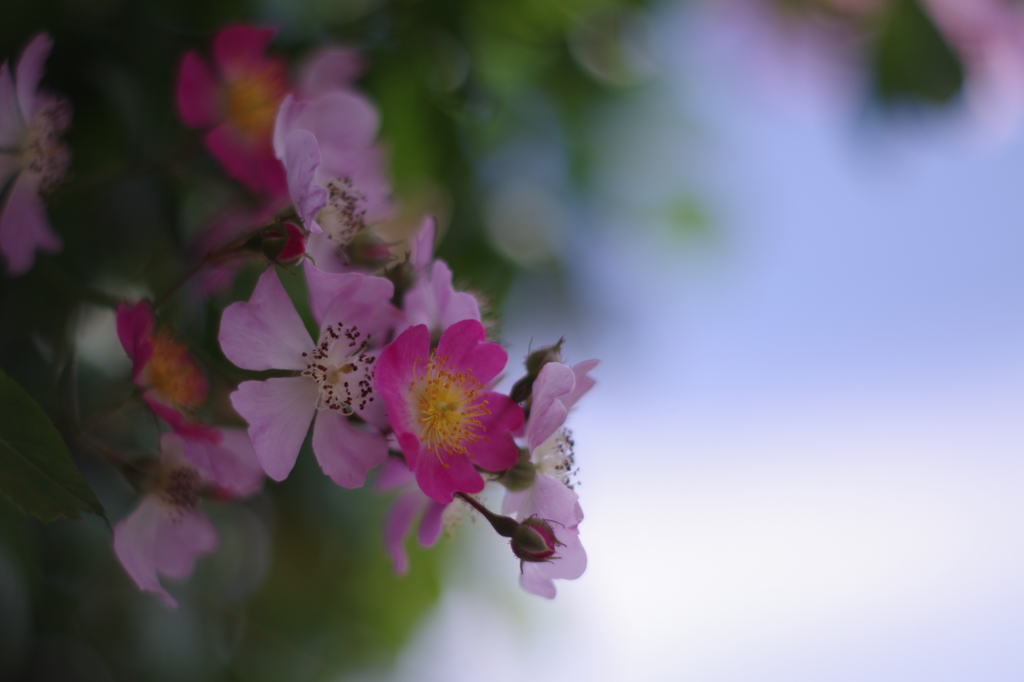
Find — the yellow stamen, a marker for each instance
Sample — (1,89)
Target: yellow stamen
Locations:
(449,404)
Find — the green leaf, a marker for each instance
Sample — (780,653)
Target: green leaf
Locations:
(36,471)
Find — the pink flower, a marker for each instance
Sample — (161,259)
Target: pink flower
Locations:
(551,498)
(174,386)
(335,173)
(446,421)
(330,68)
(334,375)
(237,104)
(166,532)
(410,503)
(32,158)
(432,300)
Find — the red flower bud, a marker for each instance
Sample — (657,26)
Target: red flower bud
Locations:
(534,540)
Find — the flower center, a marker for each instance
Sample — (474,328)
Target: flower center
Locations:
(342,368)
(554,457)
(42,152)
(252,101)
(449,404)
(343,216)
(171,372)
(179,487)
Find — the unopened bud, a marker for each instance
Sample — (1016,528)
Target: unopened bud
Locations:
(281,244)
(368,250)
(521,475)
(535,361)
(534,540)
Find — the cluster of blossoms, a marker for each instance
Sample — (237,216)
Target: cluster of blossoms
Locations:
(401,376)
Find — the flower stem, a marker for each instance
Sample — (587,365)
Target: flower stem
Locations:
(504,525)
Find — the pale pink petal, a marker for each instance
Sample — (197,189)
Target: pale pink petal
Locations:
(452,306)
(230,462)
(583,382)
(135,546)
(29,72)
(12,125)
(9,165)
(278,412)
(325,254)
(514,501)
(431,524)
(533,581)
(287,114)
(344,451)
(198,94)
(329,69)
(397,522)
(181,536)
(555,502)
(24,226)
(422,246)
(343,121)
(359,300)
(394,474)
(301,159)
(466,350)
(237,48)
(547,412)
(265,332)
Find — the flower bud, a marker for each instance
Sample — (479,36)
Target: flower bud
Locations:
(519,476)
(281,244)
(535,361)
(534,540)
(368,250)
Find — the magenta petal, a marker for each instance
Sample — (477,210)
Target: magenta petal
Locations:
(441,476)
(134,328)
(135,546)
(198,94)
(24,226)
(301,159)
(265,332)
(250,162)
(431,524)
(181,536)
(278,411)
(237,48)
(497,451)
(547,412)
(466,351)
(394,371)
(30,72)
(345,452)
(397,522)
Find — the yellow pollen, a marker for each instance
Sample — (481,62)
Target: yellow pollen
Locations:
(171,372)
(449,404)
(252,101)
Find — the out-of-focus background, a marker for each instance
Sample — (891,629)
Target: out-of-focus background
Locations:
(791,231)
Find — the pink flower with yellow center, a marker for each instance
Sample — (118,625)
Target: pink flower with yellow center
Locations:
(238,104)
(32,157)
(174,386)
(446,420)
